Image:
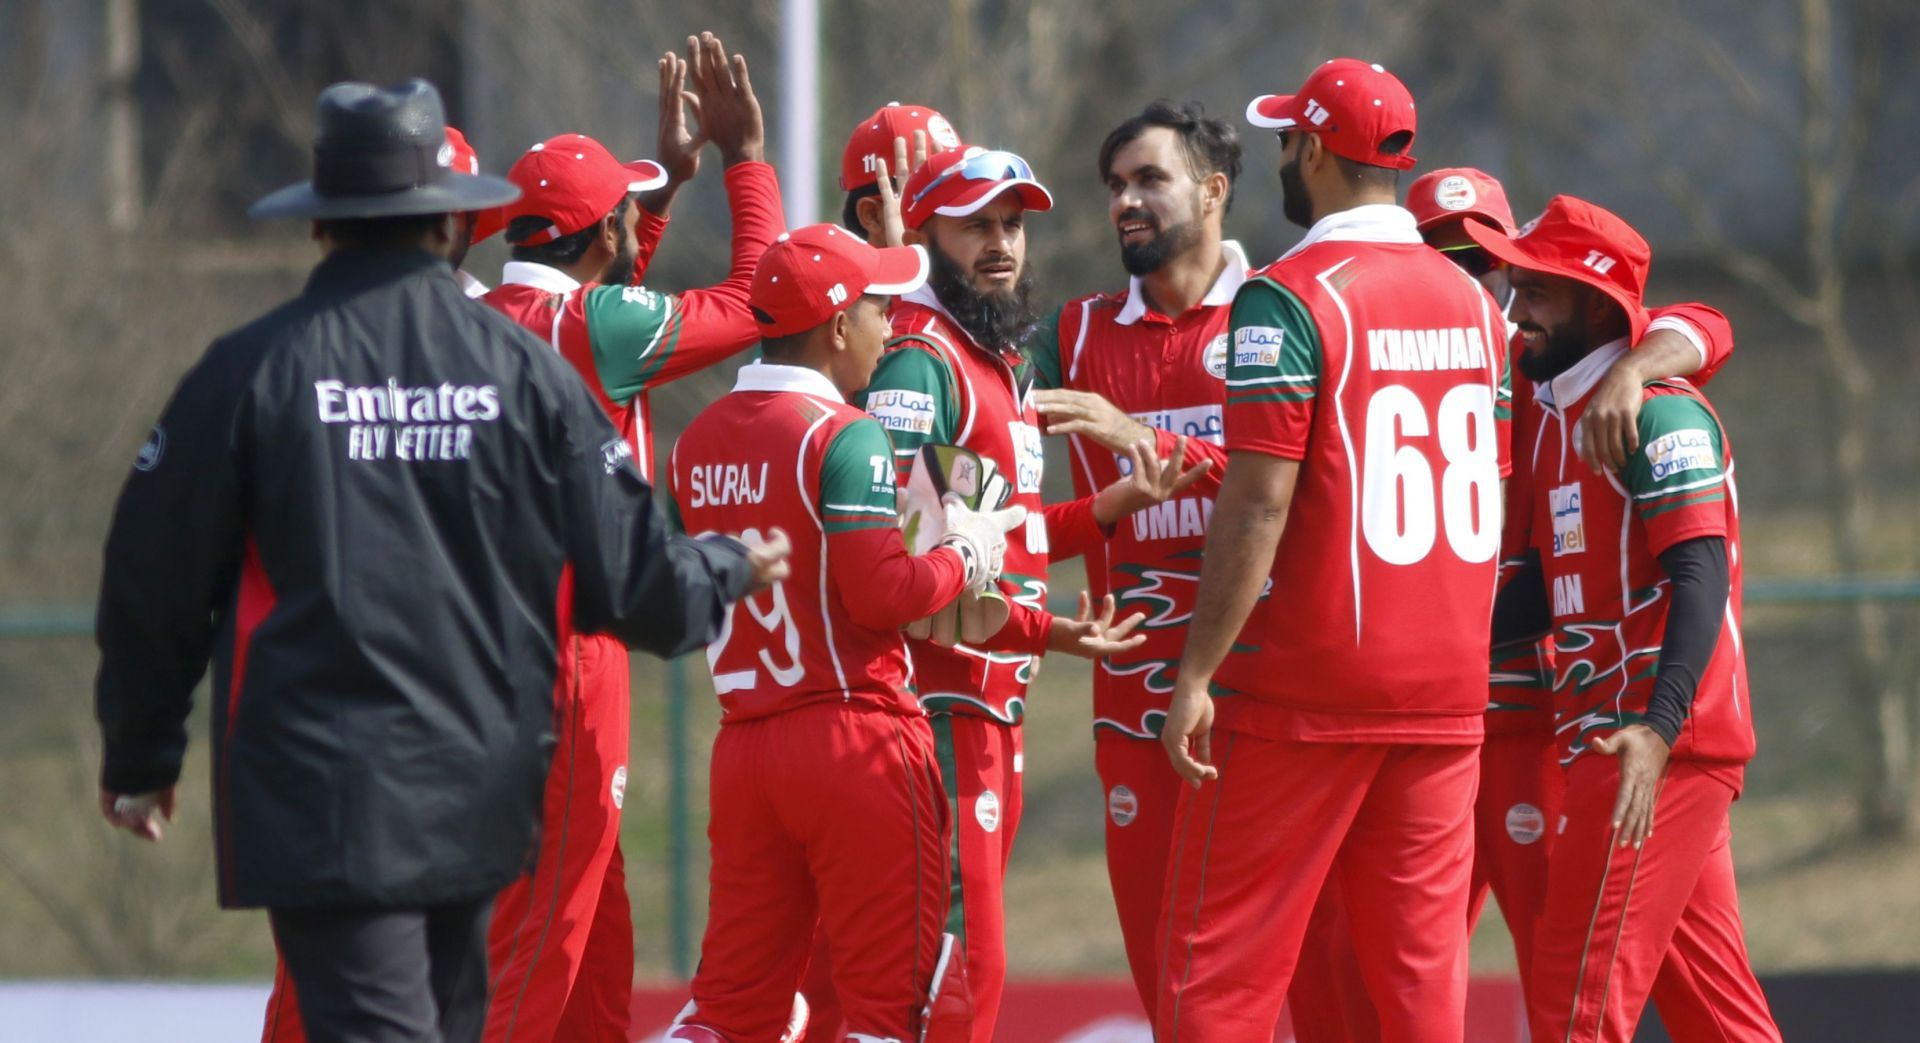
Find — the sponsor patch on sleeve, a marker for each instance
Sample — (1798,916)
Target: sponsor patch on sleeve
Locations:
(899,410)
(1257,346)
(1688,449)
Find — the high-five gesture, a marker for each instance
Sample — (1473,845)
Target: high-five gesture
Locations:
(724,102)
(679,145)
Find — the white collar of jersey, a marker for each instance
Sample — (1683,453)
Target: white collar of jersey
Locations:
(924,296)
(539,276)
(1574,384)
(1371,223)
(469,285)
(777,376)
(1231,278)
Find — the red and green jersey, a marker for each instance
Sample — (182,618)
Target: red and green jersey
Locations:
(624,340)
(1381,367)
(1600,538)
(782,450)
(1520,696)
(1168,373)
(936,386)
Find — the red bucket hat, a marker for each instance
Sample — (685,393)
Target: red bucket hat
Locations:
(1354,106)
(1577,240)
(811,274)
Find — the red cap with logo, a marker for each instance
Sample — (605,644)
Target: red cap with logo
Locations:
(1575,239)
(872,140)
(958,182)
(572,181)
(811,274)
(1354,106)
(1454,193)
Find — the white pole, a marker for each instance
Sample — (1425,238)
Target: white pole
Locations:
(800,110)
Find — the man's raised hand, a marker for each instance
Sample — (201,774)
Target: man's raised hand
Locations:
(726,107)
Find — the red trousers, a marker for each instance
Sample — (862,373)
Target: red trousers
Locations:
(1141,793)
(560,947)
(980,766)
(825,817)
(1661,921)
(1520,791)
(1253,851)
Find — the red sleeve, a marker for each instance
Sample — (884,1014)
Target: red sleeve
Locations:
(863,561)
(652,226)
(1197,450)
(1072,530)
(716,322)
(1026,629)
(1716,335)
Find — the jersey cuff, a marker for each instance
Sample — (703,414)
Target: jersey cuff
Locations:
(1685,329)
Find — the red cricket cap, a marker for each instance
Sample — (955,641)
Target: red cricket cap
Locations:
(958,182)
(872,140)
(1575,239)
(811,274)
(572,181)
(1455,193)
(1354,106)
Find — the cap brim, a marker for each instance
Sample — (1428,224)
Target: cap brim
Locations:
(459,192)
(1271,111)
(1033,196)
(489,223)
(647,175)
(900,269)
(1514,252)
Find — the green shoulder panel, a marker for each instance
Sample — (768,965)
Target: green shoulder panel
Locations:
(1275,350)
(1682,456)
(1043,352)
(633,331)
(912,395)
(856,479)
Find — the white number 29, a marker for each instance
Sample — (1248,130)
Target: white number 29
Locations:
(777,619)
(1397,496)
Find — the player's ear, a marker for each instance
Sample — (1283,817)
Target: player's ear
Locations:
(1213,192)
(841,327)
(867,210)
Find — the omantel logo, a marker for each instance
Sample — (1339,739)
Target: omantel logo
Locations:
(1122,806)
(1525,824)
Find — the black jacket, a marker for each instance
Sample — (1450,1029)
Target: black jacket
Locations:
(380,509)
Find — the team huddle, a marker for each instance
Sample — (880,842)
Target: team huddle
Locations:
(1413,564)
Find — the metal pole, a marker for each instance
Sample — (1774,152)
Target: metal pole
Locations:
(679,815)
(800,109)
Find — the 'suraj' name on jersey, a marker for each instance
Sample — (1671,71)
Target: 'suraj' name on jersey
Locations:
(720,485)
(1455,347)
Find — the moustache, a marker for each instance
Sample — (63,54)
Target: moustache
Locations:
(1528,327)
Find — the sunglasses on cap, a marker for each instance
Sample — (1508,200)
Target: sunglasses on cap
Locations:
(992,165)
(1472,258)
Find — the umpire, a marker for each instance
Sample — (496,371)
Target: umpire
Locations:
(380,510)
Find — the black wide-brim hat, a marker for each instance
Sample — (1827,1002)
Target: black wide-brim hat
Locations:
(383,152)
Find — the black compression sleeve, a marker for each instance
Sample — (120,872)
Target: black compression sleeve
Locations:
(1701,581)
(1520,609)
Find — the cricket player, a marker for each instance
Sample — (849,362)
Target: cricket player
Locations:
(467,227)
(1340,620)
(827,807)
(956,376)
(1650,697)
(1520,776)
(1147,364)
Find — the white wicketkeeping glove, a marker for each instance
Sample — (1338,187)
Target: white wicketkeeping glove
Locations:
(980,537)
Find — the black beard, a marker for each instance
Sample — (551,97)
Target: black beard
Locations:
(618,271)
(1294,202)
(993,320)
(1153,255)
(1566,345)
